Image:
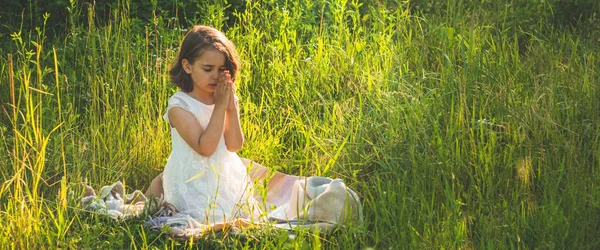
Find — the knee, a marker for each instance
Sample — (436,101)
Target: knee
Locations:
(156,187)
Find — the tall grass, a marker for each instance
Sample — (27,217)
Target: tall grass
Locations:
(458,126)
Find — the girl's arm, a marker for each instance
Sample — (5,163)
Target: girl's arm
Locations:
(234,138)
(204,142)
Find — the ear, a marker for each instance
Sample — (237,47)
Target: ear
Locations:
(187,67)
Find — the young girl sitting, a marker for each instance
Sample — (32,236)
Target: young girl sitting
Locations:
(204,177)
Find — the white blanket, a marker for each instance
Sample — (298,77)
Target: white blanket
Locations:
(288,201)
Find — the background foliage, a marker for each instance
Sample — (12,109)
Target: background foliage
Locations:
(461,123)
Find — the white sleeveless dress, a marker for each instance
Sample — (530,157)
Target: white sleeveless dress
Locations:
(213,189)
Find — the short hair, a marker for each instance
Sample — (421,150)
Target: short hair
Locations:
(197,40)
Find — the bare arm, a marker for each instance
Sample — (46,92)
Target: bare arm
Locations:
(234,138)
(203,142)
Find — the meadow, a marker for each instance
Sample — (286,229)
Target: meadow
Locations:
(461,124)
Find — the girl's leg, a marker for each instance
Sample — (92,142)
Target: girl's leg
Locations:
(156,187)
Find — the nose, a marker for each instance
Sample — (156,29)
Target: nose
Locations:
(215,75)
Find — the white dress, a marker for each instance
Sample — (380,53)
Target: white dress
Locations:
(211,189)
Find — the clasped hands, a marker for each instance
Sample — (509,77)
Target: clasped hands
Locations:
(224,93)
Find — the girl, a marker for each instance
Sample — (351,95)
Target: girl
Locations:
(204,177)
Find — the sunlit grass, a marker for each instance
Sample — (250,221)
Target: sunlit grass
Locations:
(458,128)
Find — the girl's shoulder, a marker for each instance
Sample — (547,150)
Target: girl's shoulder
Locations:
(180,100)
(179,94)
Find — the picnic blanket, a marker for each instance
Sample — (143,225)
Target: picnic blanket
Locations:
(317,203)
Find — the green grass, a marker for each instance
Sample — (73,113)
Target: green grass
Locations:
(460,125)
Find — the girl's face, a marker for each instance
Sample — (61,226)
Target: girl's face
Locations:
(206,71)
